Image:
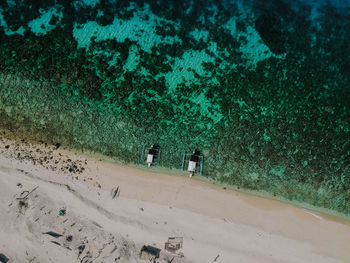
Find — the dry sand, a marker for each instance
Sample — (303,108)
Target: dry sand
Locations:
(219,224)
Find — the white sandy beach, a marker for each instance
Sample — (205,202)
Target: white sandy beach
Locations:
(215,223)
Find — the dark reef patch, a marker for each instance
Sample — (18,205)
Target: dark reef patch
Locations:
(269,28)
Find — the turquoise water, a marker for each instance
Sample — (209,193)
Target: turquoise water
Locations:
(260,87)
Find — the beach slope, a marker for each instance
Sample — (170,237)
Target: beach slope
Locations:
(57,206)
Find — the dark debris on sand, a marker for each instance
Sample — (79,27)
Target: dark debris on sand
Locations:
(44,155)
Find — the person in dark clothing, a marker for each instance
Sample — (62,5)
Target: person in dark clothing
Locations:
(194,161)
(152,152)
(195,156)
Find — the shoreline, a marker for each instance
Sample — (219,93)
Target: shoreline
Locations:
(33,141)
(331,214)
(191,208)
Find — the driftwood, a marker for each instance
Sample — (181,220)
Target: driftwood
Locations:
(28,193)
(115,192)
(53,234)
(56,243)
